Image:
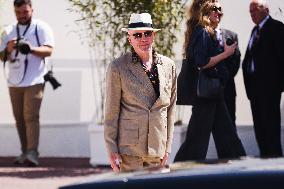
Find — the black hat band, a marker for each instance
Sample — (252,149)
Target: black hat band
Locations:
(140,25)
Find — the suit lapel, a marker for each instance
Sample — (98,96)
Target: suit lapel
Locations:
(226,34)
(137,70)
(162,81)
(263,31)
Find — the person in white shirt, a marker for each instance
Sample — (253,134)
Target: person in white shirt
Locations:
(24,46)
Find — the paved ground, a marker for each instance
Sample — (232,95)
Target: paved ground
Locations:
(52,173)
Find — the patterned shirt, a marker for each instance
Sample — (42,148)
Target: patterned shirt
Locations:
(153,73)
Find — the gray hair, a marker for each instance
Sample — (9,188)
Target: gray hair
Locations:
(261,3)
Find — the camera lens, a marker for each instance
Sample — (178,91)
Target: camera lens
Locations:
(23,46)
(229,41)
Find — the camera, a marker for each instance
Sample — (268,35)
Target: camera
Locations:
(50,78)
(23,46)
(229,41)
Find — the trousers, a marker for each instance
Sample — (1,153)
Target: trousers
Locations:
(26,103)
(131,163)
(210,116)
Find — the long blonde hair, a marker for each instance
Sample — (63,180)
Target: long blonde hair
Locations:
(198,14)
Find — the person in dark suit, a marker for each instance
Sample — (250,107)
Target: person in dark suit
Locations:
(232,64)
(208,115)
(264,79)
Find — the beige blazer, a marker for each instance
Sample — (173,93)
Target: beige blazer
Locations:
(136,121)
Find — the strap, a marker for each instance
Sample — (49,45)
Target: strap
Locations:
(24,74)
(38,42)
(18,29)
(37,38)
(5,58)
(18,36)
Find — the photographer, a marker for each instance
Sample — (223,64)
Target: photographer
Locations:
(23,49)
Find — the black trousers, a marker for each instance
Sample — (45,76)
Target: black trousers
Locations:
(267,123)
(207,117)
(230,101)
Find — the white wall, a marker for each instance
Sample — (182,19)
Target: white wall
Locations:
(55,13)
(69,47)
(70,57)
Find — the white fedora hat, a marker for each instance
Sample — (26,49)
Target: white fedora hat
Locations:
(141,21)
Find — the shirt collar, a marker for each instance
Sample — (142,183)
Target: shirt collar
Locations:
(263,22)
(219,37)
(218,29)
(137,59)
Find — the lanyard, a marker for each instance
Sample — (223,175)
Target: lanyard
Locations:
(18,36)
(18,30)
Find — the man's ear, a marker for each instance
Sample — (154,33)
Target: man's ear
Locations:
(128,38)
(267,10)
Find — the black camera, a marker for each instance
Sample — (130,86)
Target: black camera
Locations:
(229,41)
(49,77)
(23,46)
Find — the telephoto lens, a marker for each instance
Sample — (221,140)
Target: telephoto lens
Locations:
(50,78)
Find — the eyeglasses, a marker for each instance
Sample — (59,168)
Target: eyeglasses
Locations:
(147,34)
(217,9)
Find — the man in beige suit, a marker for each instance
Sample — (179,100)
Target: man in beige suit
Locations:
(140,102)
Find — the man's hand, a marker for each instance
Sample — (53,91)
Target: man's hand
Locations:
(11,45)
(165,159)
(5,54)
(115,160)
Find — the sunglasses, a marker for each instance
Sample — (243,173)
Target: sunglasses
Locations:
(217,9)
(147,34)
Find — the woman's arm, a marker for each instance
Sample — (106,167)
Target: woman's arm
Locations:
(228,51)
(201,50)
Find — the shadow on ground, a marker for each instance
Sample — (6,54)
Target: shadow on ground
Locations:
(50,167)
